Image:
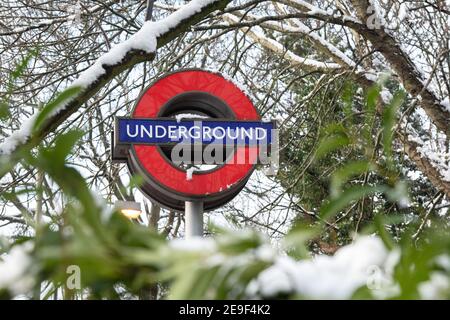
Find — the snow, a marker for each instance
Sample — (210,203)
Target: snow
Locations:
(428,149)
(237,83)
(403,12)
(325,277)
(189,173)
(316,11)
(313,10)
(275,281)
(41,23)
(386,96)
(265,253)
(74,12)
(443,261)
(414,175)
(210,250)
(436,288)
(400,194)
(305,4)
(18,137)
(14,270)
(257,34)
(335,51)
(303,61)
(143,40)
(297,60)
(446,104)
(182,116)
(371,77)
(193,244)
(338,54)
(375,19)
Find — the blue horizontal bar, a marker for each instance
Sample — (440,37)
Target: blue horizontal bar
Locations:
(158,131)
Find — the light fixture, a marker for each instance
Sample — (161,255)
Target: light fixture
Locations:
(130,209)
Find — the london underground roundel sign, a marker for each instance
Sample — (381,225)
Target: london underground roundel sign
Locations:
(194,136)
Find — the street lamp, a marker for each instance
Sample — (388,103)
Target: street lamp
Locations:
(130,209)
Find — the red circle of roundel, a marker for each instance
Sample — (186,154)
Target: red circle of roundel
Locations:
(164,172)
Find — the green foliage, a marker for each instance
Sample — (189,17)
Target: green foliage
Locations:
(219,269)
(14,76)
(343,174)
(54,105)
(120,259)
(336,137)
(353,165)
(349,195)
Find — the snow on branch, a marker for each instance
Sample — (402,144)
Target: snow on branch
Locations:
(257,35)
(18,137)
(145,39)
(138,48)
(446,103)
(412,78)
(428,149)
(48,22)
(435,170)
(391,48)
(326,47)
(330,277)
(312,10)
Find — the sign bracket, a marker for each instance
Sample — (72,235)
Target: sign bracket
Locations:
(193,216)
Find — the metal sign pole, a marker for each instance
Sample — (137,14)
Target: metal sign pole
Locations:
(193,219)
